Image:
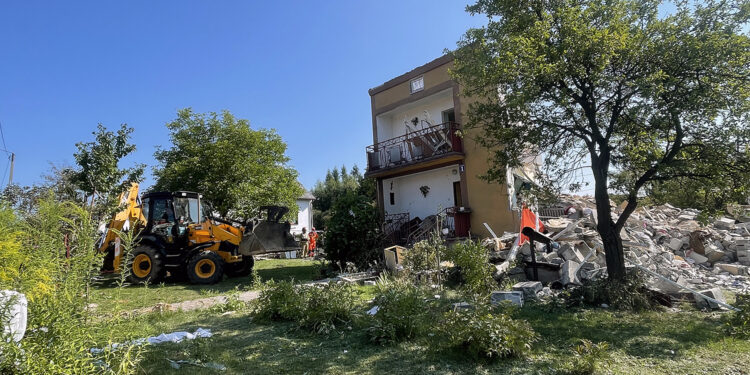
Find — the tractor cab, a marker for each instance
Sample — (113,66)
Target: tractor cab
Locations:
(173,216)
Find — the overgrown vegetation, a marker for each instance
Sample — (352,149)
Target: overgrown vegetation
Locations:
(50,257)
(425,255)
(404,311)
(587,357)
(320,309)
(484,334)
(476,272)
(353,233)
(629,294)
(738,323)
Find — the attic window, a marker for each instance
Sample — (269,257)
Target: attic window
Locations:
(417,84)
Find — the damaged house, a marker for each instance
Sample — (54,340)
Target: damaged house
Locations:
(427,175)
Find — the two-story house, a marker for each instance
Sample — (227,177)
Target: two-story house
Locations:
(424,168)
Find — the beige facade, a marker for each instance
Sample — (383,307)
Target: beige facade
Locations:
(413,146)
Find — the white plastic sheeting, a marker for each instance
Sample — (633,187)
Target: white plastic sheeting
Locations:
(13,314)
(164,337)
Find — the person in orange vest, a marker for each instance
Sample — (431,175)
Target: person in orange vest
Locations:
(313,241)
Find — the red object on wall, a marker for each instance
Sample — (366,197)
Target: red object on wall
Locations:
(462,223)
(528,219)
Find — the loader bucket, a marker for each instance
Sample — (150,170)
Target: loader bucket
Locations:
(268,237)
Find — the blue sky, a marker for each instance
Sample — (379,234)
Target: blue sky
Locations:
(303,68)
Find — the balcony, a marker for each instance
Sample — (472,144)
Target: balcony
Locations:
(429,143)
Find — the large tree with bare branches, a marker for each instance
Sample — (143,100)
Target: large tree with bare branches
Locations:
(642,91)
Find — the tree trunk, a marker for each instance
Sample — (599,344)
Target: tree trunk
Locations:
(606,227)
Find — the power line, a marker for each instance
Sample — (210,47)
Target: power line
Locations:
(7,165)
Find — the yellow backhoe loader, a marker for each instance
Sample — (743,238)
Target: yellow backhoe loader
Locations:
(176,232)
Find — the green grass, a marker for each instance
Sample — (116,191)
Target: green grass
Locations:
(685,342)
(109,298)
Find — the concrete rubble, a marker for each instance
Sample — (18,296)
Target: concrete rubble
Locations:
(665,239)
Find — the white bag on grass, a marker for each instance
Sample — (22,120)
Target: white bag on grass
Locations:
(13,314)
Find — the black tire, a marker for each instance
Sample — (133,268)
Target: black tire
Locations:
(206,267)
(241,268)
(145,265)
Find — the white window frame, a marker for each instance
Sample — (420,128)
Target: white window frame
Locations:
(419,81)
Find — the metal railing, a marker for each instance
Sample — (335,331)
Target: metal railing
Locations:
(444,222)
(414,146)
(396,228)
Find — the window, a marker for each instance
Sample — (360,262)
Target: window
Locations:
(417,84)
(393,199)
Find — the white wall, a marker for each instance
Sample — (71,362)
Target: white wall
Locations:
(408,197)
(304,216)
(391,124)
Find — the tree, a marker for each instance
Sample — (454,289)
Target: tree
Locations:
(238,169)
(643,98)
(338,182)
(353,232)
(99,174)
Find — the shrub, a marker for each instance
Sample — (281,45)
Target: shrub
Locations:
(739,321)
(56,286)
(586,357)
(485,335)
(424,255)
(279,301)
(327,306)
(471,259)
(629,294)
(317,308)
(353,233)
(403,311)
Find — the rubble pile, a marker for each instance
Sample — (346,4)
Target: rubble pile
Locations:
(665,240)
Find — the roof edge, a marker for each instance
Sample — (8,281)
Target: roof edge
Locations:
(442,60)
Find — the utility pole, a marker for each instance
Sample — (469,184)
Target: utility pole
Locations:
(12,161)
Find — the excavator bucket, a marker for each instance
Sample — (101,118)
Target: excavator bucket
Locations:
(269,235)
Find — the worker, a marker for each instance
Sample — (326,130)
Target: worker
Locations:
(313,241)
(303,241)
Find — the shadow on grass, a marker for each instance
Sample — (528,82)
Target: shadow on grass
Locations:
(653,334)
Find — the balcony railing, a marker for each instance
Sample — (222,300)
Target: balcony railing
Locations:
(414,146)
(451,222)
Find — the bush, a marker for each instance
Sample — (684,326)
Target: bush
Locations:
(328,306)
(476,272)
(738,324)
(424,255)
(586,357)
(403,311)
(629,294)
(353,233)
(485,335)
(279,301)
(317,308)
(56,285)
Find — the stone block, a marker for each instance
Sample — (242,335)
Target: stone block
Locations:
(734,269)
(500,270)
(716,255)
(696,257)
(675,244)
(528,288)
(568,273)
(514,297)
(568,252)
(714,293)
(724,223)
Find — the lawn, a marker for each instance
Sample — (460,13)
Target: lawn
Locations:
(110,298)
(678,342)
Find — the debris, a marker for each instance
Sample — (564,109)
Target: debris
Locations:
(498,297)
(461,306)
(568,273)
(373,310)
(715,293)
(528,288)
(174,337)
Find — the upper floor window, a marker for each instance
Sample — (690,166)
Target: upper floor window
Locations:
(417,84)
